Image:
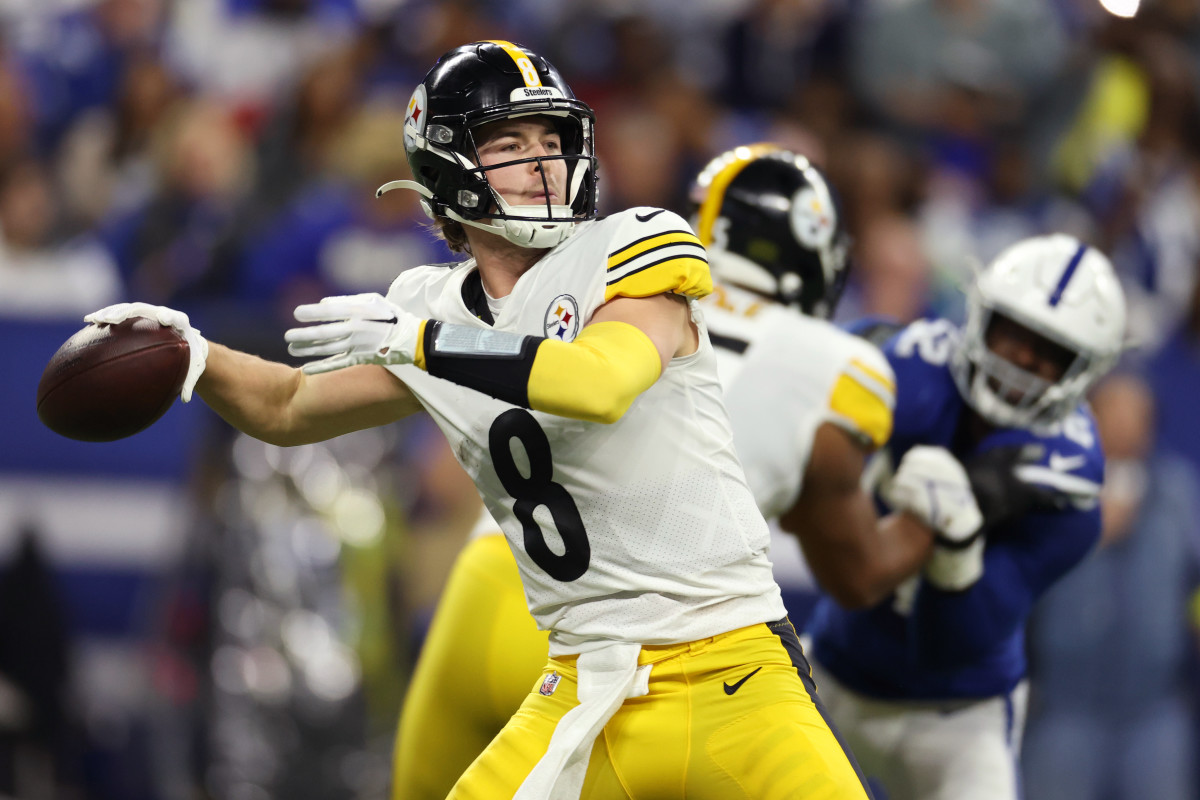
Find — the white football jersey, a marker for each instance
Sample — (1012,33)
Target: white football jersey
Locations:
(641,531)
(785,374)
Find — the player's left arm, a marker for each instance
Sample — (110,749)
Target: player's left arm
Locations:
(620,353)
(948,628)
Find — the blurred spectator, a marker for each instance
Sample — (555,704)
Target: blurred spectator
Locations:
(1146,196)
(247,53)
(105,164)
(1109,717)
(932,65)
(38,734)
(16,113)
(180,247)
(75,59)
(42,275)
(297,143)
(337,237)
(1174,375)
(891,276)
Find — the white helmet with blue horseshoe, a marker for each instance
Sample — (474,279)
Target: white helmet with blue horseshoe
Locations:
(1061,289)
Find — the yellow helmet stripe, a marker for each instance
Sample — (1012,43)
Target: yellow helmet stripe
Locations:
(717,183)
(528,71)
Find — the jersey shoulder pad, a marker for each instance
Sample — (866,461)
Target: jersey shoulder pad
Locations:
(652,251)
(863,397)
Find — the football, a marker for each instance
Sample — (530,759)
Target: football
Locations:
(110,381)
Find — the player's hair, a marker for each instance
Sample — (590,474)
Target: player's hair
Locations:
(452,233)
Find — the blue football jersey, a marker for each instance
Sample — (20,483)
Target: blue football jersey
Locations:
(924,643)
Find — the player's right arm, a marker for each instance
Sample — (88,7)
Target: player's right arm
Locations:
(283,406)
(856,557)
(270,401)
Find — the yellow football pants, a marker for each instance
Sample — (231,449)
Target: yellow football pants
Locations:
(481,655)
(726,718)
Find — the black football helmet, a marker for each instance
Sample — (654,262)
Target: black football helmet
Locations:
(771,223)
(480,83)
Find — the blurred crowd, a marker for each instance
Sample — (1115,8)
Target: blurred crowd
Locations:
(221,156)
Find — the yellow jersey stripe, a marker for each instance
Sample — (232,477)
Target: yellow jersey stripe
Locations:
(874,374)
(866,413)
(653,242)
(686,275)
(524,65)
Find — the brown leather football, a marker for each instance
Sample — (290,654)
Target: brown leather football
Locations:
(111,381)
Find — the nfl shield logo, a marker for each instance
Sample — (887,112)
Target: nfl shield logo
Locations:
(550,684)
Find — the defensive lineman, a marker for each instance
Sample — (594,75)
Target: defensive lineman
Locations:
(929,687)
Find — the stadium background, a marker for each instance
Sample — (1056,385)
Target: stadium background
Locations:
(189,613)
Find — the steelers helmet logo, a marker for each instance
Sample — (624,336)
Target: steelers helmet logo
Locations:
(414,118)
(812,218)
(562,318)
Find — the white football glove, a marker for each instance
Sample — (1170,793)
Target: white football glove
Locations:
(931,484)
(358,329)
(197,344)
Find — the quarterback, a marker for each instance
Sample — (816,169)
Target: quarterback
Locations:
(808,403)
(568,365)
(929,686)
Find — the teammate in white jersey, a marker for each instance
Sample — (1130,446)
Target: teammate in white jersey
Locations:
(812,401)
(569,367)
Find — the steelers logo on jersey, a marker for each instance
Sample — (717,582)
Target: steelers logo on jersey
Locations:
(562,318)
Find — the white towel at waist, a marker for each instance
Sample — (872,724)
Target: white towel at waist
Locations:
(606,677)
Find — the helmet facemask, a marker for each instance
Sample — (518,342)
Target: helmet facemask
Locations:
(539,225)
(1005,394)
(470,88)
(1066,303)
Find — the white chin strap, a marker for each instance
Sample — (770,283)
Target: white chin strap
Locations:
(524,233)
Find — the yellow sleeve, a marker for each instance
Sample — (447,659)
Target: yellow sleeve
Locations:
(598,376)
(669,261)
(862,401)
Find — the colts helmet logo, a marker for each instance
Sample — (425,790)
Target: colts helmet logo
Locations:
(550,684)
(562,318)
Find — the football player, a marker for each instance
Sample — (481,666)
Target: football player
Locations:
(570,369)
(809,404)
(929,686)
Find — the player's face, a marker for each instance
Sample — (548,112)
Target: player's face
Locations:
(526,137)
(1032,352)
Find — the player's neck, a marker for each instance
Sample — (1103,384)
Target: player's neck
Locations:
(501,263)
